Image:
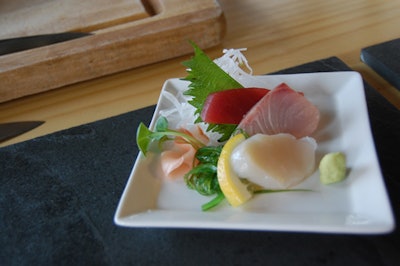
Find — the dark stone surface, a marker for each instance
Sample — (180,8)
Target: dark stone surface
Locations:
(384,58)
(59,193)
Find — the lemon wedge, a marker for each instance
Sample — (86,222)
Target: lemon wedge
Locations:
(234,190)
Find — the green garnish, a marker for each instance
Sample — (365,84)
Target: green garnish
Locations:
(144,136)
(264,191)
(207,77)
(214,202)
(203,177)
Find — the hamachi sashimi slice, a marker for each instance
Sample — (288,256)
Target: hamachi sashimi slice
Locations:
(282,110)
(274,161)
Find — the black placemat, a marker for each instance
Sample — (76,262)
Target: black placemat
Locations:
(384,58)
(58,196)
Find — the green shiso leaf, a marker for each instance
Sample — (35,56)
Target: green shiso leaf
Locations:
(144,136)
(206,77)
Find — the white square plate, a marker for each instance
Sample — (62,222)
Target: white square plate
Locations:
(357,205)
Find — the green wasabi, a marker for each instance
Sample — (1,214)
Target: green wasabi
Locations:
(332,168)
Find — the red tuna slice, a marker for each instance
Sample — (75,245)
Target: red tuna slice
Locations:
(283,110)
(230,106)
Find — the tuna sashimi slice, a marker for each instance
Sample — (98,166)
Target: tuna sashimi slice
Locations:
(282,110)
(230,106)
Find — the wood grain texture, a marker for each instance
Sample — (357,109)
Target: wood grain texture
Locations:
(32,17)
(113,49)
(277,33)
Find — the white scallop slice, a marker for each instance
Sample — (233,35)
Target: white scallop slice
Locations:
(275,161)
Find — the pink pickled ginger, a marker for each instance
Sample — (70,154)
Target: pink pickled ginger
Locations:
(178,160)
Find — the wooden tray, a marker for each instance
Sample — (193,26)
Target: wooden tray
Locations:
(126,34)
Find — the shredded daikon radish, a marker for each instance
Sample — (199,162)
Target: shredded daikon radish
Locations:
(176,111)
(234,62)
(177,116)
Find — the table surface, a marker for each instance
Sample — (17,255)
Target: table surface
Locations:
(277,33)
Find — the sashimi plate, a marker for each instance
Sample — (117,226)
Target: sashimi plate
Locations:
(358,205)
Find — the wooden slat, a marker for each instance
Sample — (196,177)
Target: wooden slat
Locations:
(31,17)
(120,47)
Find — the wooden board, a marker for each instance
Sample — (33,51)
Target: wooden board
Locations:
(156,31)
(32,17)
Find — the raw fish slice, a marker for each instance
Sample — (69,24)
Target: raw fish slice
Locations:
(274,161)
(282,110)
(230,106)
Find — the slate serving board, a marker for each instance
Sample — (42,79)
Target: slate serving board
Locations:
(384,58)
(58,195)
